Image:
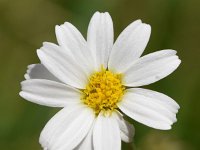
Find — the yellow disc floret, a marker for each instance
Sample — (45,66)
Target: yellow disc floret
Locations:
(103,91)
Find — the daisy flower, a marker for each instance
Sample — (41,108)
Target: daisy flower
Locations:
(96,82)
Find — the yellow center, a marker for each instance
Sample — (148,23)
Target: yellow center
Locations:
(103,91)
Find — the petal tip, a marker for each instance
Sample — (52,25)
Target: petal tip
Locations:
(39,52)
(97,13)
(45,43)
(26,76)
(148,26)
(21,93)
(139,20)
(107,13)
(168,128)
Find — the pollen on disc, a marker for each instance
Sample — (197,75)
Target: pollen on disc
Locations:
(103,91)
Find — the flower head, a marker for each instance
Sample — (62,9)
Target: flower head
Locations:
(96,82)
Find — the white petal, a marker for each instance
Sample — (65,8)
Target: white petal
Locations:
(87,143)
(49,93)
(100,37)
(38,71)
(127,130)
(67,128)
(151,108)
(61,64)
(160,98)
(129,46)
(106,135)
(71,40)
(151,68)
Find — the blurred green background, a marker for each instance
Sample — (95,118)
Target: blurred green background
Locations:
(25,24)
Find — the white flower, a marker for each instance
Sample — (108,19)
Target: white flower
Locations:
(95,82)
